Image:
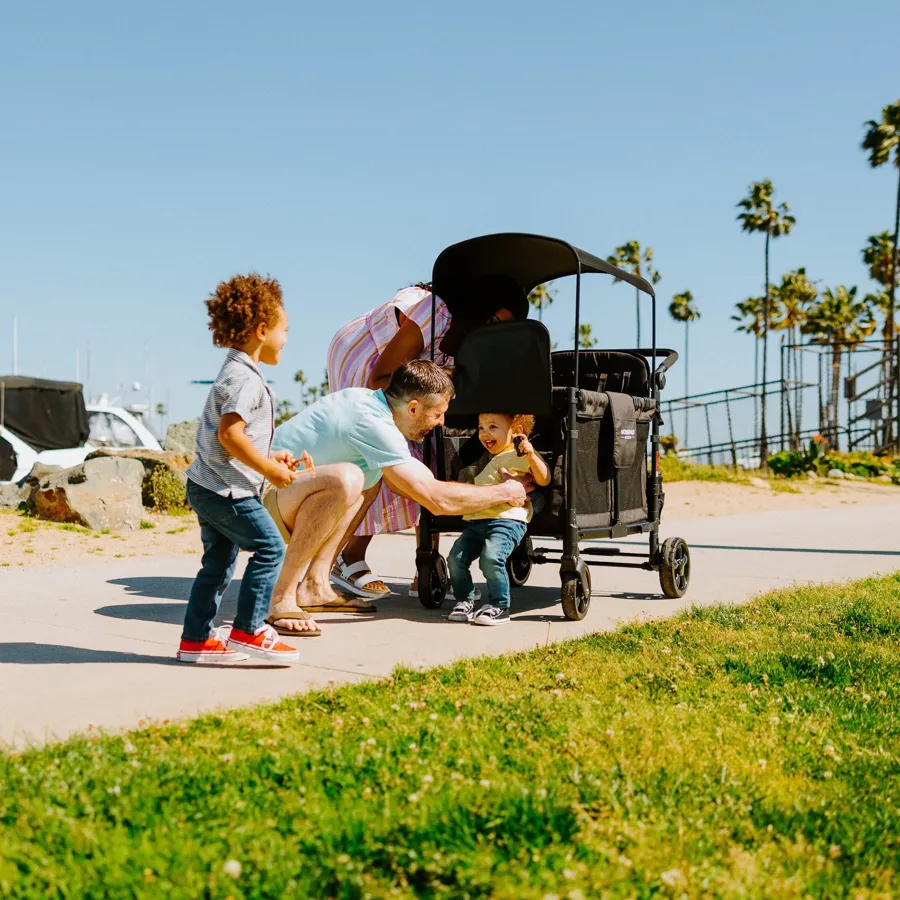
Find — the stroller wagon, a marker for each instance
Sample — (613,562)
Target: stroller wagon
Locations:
(596,411)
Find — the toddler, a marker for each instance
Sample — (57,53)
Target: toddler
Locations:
(492,534)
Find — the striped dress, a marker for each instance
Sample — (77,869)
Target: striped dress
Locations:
(351,357)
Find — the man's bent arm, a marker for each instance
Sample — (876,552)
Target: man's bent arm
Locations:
(448,498)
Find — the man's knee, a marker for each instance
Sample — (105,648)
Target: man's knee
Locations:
(351,481)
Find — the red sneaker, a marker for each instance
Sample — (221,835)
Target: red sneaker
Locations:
(264,644)
(210,650)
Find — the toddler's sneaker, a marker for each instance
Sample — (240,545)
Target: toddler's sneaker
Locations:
(490,615)
(210,650)
(463,611)
(264,644)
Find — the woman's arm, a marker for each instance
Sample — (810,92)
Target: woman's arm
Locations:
(405,345)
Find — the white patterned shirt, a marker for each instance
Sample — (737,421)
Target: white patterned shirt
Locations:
(238,388)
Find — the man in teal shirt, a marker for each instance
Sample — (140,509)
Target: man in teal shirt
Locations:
(356,437)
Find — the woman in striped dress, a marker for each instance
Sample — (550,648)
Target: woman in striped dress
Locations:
(365,353)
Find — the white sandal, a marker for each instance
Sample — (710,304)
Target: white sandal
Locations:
(342,577)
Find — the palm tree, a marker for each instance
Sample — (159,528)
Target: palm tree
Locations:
(630,258)
(840,320)
(682,309)
(311,394)
(881,138)
(540,298)
(584,338)
(881,258)
(761,215)
(750,316)
(792,299)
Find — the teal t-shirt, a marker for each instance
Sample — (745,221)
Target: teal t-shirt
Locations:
(350,426)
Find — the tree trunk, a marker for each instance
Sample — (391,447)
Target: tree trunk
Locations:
(786,388)
(763,438)
(835,394)
(687,326)
(894,364)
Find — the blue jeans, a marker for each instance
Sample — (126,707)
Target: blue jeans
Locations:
(227,525)
(491,541)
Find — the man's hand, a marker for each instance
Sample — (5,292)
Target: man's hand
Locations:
(520,486)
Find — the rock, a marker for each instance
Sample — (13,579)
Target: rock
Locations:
(19,495)
(885,479)
(13,496)
(812,476)
(851,476)
(100,493)
(151,460)
(182,438)
(836,473)
(759,482)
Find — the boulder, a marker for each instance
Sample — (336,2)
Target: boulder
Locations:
(759,482)
(851,476)
(175,464)
(812,476)
(884,479)
(100,493)
(12,496)
(837,473)
(181,437)
(19,495)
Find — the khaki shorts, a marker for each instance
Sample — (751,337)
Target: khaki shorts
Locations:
(270,502)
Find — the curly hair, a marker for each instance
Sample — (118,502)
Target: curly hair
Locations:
(239,305)
(522,425)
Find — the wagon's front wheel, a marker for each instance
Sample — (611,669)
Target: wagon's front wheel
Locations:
(433,582)
(675,567)
(576,596)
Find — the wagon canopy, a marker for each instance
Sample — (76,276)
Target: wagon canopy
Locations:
(531,259)
(47,415)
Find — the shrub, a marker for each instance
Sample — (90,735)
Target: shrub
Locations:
(164,491)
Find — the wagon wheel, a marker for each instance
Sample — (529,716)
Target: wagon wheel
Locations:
(519,564)
(675,567)
(433,581)
(575,601)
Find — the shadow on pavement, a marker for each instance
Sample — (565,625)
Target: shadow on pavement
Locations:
(829,552)
(175,590)
(27,653)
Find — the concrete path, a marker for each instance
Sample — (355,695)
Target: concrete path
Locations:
(93,644)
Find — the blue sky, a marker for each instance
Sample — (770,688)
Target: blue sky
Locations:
(150,151)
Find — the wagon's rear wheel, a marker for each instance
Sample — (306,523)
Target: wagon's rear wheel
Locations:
(576,596)
(519,564)
(675,567)
(433,582)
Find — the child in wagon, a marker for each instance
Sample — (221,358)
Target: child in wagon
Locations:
(492,534)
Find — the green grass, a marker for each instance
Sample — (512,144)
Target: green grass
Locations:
(675,469)
(731,752)
(146,525)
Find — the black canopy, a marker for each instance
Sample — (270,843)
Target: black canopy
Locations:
(47,415)
(530,259)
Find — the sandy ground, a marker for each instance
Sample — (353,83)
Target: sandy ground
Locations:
(31,542)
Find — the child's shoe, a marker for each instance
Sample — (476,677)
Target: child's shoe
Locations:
(264,644)
(210,650)
(490,615)
(463,611)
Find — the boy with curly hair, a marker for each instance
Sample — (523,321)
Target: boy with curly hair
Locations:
(492,534)
(225,481)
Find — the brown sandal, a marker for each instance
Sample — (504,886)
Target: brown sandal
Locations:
(300,614)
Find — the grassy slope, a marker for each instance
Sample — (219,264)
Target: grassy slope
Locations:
(736,751)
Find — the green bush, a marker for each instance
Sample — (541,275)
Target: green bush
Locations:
(164,491)
(862,463)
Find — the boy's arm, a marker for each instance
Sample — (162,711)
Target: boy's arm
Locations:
(233,438)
